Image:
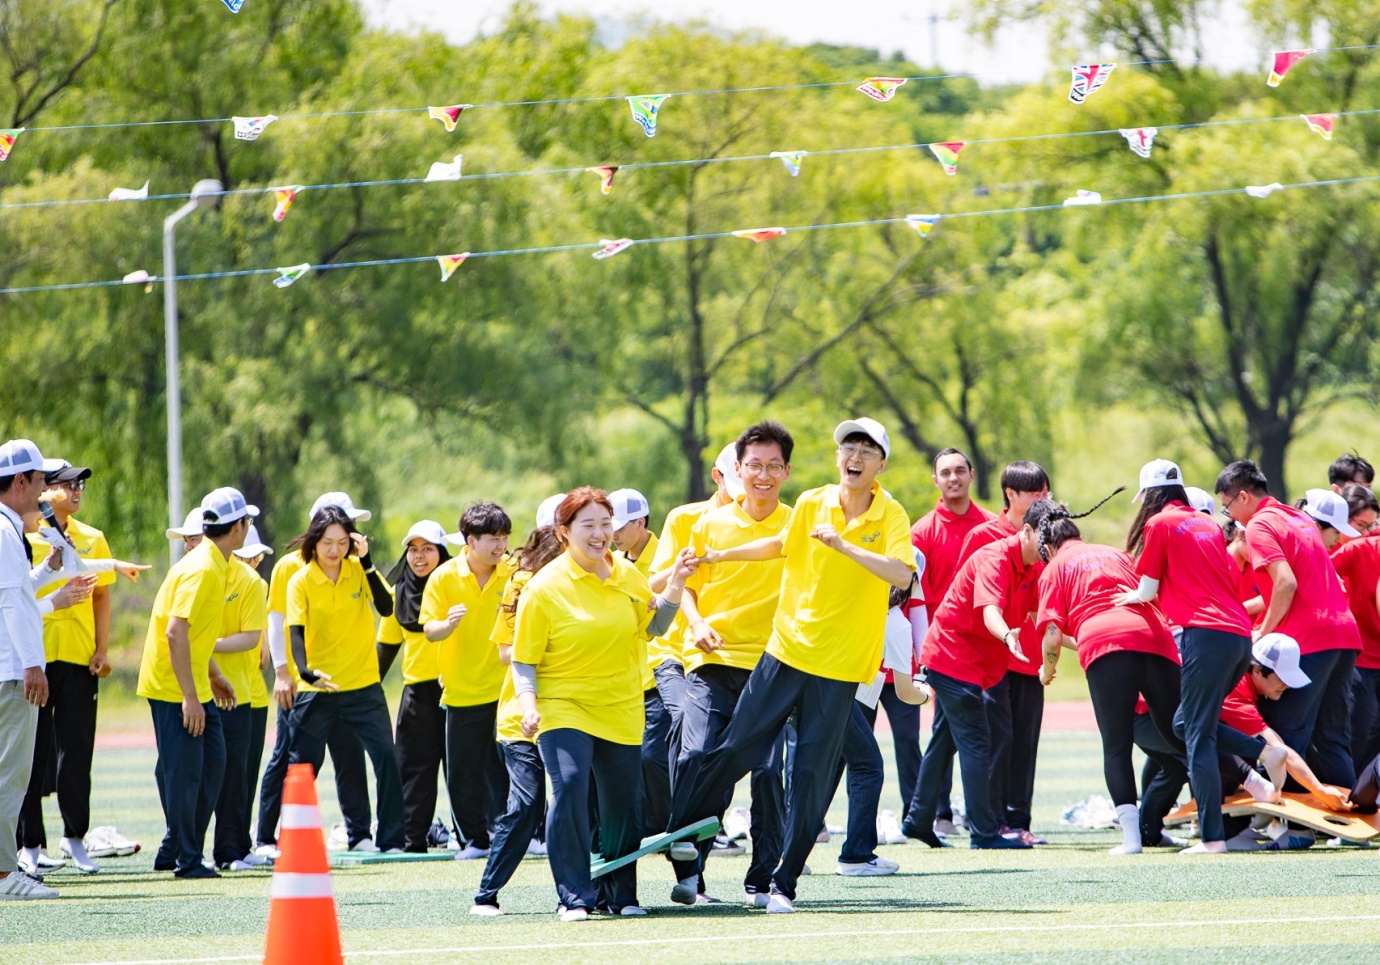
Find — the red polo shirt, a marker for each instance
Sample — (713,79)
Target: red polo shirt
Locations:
(1358,564)
(1185,552)
(958,644)
(939,534)
(1241,711)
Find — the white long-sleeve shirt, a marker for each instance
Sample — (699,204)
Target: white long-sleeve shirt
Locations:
(21,620)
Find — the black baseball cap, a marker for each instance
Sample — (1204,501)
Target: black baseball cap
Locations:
(62,471)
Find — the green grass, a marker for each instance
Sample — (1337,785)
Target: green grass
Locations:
(1064,902)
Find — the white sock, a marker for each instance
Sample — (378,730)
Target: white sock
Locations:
(29,857)
(77,850)
(1261,789)
(1129,817)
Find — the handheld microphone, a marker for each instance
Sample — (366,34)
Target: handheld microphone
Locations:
(46,508)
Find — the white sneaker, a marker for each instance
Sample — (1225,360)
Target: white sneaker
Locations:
(256,861)
(107,842)
(339,838)
(364,846)
(486,911)
(632,911)
(77,852)
(738,824)
(46,863)
(17,886)
(889,829)
(574,914)
(870,869)
(780,905)
(756,899)
(239,864)
(268,852)
(805,870)
(470,853)
(538,848)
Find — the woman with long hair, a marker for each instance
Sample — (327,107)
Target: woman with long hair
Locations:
(1181,561)
(579,648)
(330,621)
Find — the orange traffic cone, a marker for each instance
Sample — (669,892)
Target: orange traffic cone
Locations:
(302,928)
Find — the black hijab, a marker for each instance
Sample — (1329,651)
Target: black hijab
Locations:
(408,588)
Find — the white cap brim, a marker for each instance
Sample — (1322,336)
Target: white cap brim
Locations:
(253,550)
(1294,679)
(359,515)
(1347,530)
(455,539)
(619,522)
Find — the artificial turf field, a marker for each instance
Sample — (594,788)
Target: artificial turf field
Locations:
(1068,901)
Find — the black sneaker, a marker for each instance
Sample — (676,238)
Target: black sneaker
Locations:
(924,835)
(999,844)
(197,871)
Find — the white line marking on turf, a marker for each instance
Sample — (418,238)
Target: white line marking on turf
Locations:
(771,936)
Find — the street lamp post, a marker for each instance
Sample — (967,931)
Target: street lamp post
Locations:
(205,194)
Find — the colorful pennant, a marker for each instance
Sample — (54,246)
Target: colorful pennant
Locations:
(1285,59)
(130,194)
(1140,139)
(448,115)
(286,276)
(1081,198)
(791,159)
(606,173)
(1088,80)
(881,89)
(1263,190)
(1321,124)
(644,111)
(947,153)
(760,235)
(441,171)
(449,263)
(612,248)
(249,128)
(923,223)
(8,136)
(283,198)
(234,5)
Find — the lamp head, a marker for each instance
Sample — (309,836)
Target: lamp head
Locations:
(207,192)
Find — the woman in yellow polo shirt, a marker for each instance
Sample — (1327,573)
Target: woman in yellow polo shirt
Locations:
(421,733)
(579,649)
(331,632)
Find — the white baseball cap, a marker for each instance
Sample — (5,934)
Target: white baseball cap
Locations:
(427,529)
(341,501)
(19,455)
(727,458)
(253,546)
(1327,507)
(1157,473)
(628,505)
(1200,499)
(192,527)
(1280,653)
(546,512)
(871,428)
(227,505)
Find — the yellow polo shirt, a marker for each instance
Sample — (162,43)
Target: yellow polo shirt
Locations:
(246,609)
(471,673)
(288,566)
(339,622)
(69,635)
(831,621)
(644,566)
(194,590)
(509,710)
(587,638)
(419,655)
(737,599)
(675,536)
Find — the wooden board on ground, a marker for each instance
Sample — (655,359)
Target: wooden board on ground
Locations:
(699,831)
(351,859)
(1181,815)
(1307,810)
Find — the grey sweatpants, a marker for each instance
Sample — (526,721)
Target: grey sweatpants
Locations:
(18,726)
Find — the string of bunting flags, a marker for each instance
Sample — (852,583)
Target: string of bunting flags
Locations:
(922,224)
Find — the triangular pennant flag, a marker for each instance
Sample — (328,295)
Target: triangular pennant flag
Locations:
(441,171)
(791,159)
(8,136)
(1263,190)
(947,153)
(1141,139)
(286,276)
(284,198)
(448,115)
(449,263)
(760,235)
(1285,59)
(923,223)
(234,5)
(249,128)
(1321,124)
(606,173)
(137,278)
(881,89)
(130,194)
(1081,198)
(612,248)
(1088,80)
(644,111)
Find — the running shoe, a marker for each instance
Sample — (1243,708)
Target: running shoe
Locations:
(889,829)
(726,847)
(47,863)
(364,845)
(18,886)
(1021,834)
(269,852)
(573,914)
(756,899)
(780,905)
(107,842)
(486,911)
(868,869)
(738,824)
(536,848)
(438,835)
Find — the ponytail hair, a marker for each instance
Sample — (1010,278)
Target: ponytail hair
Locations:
(1155,500)
(1054,522)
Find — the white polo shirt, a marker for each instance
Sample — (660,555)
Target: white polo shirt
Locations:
(21,621)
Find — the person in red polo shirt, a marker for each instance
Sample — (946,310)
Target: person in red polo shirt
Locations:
(965,652)
(1358,564)
(939,536)
(1125,651)
(1182,560)
(1304,600)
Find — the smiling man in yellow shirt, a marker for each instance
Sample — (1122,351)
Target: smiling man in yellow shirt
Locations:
(845,546)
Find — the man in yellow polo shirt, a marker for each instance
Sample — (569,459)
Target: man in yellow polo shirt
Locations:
(459,609)
(182,684)
(845,546)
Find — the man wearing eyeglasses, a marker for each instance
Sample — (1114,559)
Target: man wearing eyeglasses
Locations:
(845,546)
